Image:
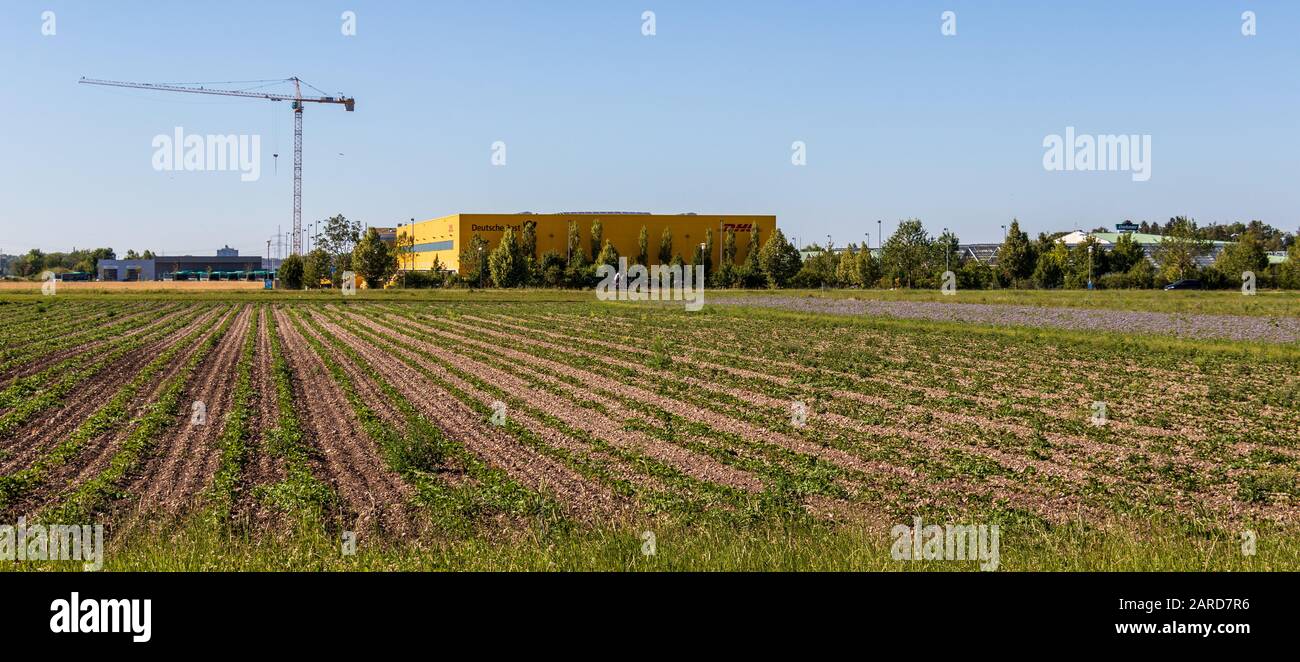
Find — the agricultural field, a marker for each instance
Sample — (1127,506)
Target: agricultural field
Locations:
(256,431)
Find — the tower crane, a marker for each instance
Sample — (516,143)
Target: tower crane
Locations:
(297,99)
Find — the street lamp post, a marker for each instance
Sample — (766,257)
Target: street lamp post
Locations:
(947,248)
(880,237)
(1090,266)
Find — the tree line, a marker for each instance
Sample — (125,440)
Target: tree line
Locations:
(910,258)
(35,262)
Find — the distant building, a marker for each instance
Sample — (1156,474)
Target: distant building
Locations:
(168,265)
(982,253)
(387,235)
(126,270)
(1148,242)
(190,267)
(444,238)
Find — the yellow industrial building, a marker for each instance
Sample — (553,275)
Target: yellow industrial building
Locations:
(445,237)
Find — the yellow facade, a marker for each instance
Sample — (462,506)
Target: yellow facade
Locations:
(445,237)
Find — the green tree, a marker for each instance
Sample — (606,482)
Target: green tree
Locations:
(1049,272)
(1288,273)
(528,253)
(778,260)
(643,247)
(1124,254)
(1141,275)
(474,259)
(372,260)
(1086,259)
(752,273)
(1179,249)
(504,262)
(316,267)
(848,273)
(403,249)
(551,269)
(868,268)
(1246,255)
(340,235)
(947,254)
(290,272)
(708,251)
(574,247)
(725,276)
(818,270)
(597,237)
(666,246)
(608,255)
(907,258)
(1016,256)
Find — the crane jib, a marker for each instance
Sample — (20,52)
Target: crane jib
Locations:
(348,103)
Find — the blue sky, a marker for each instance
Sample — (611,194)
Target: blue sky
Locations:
(899,120)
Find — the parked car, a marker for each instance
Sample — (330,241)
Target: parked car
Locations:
(1184,284)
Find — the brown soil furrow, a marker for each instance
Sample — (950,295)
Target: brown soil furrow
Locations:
(531,468)
(188,455)
(1078,452)
(696,465)
(39,363)
(37,436)
(1060,383)
(718,421)
(262,467)
(1054,503)
(377,499)
(900,382)
(98,451)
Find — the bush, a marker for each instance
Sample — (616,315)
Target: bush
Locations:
(290,272)
(551,269)
(1142,275)
(419,280)
(975,276)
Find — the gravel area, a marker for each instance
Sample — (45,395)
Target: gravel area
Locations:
(1223,327)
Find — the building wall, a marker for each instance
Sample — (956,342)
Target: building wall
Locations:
(446,236)
(144,267)
(169,264)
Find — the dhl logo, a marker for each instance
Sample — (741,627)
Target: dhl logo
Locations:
(738,227)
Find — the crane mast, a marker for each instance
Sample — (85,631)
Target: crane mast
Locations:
(297,99)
